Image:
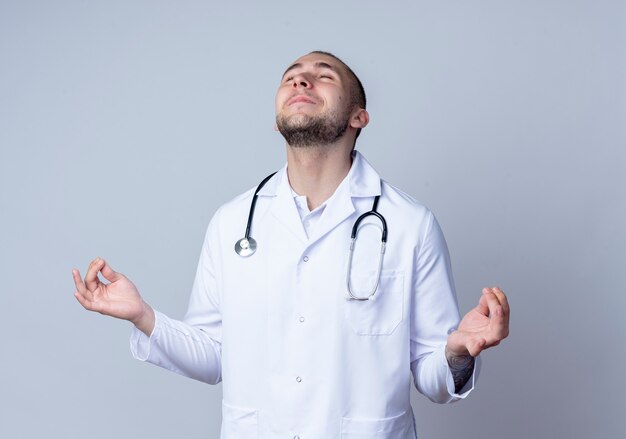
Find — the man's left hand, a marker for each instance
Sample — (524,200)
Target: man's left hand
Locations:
(483,327)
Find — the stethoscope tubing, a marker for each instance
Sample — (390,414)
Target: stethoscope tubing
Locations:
(247,246)
(383,245)
(253,204)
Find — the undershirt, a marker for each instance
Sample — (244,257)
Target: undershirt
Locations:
(309,218)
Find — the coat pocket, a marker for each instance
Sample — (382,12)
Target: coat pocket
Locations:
(383,312)
(239,423)
(396,427)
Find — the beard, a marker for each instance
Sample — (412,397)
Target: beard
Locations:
(301,131)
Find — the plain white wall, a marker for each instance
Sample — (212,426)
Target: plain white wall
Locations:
(125,124)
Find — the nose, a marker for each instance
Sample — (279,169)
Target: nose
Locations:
(301,81)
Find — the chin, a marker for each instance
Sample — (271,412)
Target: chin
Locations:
(298,118)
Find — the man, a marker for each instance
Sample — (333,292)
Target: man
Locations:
(314,339)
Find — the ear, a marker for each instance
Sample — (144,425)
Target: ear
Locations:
(275,127)
(360,118)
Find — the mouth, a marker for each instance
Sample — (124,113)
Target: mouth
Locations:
(301,99)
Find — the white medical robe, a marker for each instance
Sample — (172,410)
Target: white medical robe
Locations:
(297,358)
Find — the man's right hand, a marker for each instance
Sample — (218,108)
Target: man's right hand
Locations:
(120,298)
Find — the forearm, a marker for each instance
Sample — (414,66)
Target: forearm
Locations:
(179,347)
(461,367)
(433,379)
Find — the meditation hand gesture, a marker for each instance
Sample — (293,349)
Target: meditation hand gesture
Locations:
(483,327)
(120,298)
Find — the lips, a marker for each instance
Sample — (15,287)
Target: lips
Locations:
(301,99)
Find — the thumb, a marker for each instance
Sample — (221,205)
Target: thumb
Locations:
(475,347)
(109,274)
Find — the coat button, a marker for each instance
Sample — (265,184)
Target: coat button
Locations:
(301,319)
(298,379)
(305,259)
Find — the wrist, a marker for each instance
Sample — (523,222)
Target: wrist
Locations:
(456,357)
(145,322)
(454,347)
(455,353)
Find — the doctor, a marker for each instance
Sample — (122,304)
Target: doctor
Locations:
(299,357)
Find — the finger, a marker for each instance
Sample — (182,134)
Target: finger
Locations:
(501,298)
(82,300)
(504,303)
(88,304)
(109,274)
(80,285)
(482,306)
(506,310)
(78,281)
(498,326)
(91,278)
(492,302)
(498,319)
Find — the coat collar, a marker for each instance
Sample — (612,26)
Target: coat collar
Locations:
(362,181)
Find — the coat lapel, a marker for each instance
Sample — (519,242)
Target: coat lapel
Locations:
(284,208)
(361,181)
(338,208)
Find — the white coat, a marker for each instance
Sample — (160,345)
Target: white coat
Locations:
(297,359)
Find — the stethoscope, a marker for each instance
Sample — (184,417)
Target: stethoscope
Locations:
(247,246)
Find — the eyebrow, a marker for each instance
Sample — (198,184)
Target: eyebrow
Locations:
(319,65)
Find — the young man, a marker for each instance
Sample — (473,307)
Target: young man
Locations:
(315,337)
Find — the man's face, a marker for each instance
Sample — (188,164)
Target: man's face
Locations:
(313,104)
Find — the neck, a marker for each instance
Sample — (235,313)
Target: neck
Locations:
(317,171)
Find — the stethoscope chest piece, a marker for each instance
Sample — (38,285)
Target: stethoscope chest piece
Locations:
(245,247)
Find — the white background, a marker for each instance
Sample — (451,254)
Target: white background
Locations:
(125,124)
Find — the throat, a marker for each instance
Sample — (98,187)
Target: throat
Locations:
(316,173)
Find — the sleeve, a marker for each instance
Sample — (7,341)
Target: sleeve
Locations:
(435,314)
(191,347)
